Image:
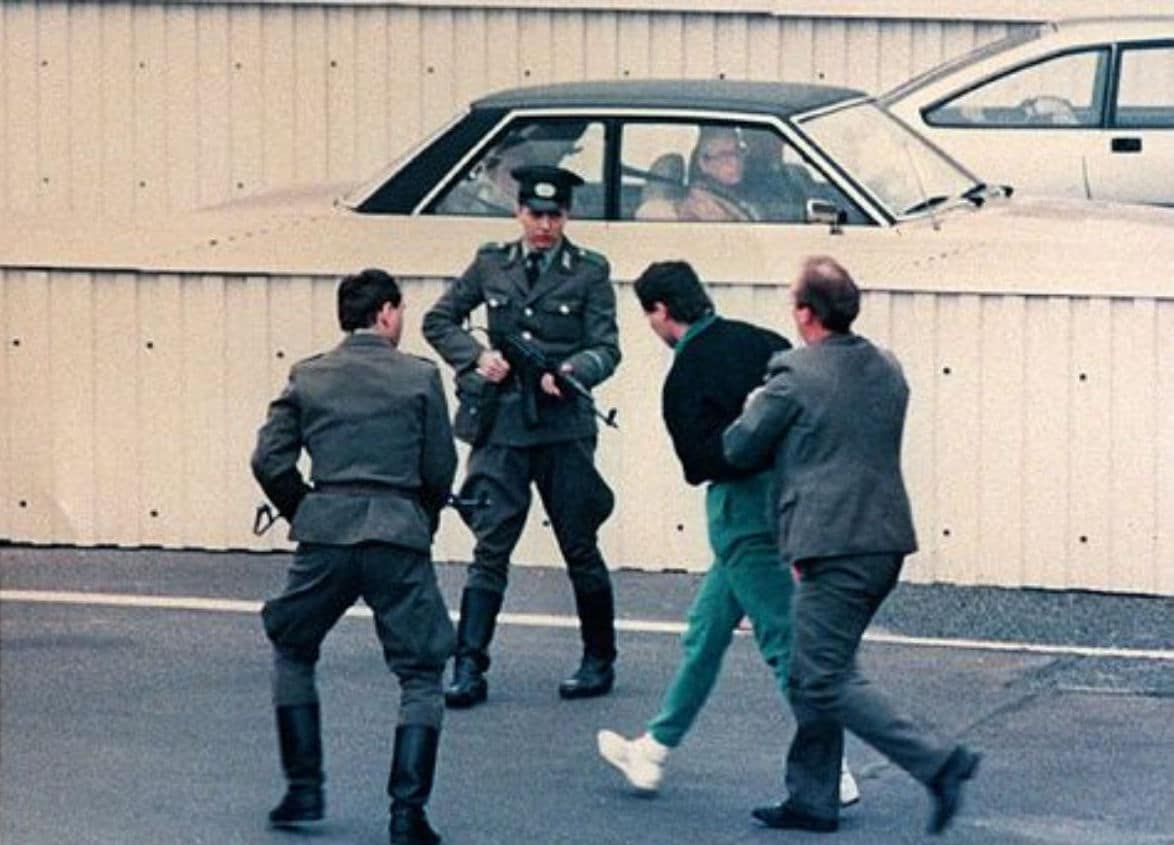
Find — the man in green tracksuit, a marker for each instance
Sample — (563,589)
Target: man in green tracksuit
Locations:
(716,363)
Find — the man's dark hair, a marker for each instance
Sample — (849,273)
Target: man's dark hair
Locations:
(825,287)
(361,297)
(676,285)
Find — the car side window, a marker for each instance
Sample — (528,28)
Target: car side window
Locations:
(1145,90)
(718,172)
(486,189)
(1065,90)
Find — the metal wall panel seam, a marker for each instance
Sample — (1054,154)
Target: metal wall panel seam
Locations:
(1090,374)
(7,351)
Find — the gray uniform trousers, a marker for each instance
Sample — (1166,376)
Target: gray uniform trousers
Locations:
(411,621)
(574,494)
(835,600)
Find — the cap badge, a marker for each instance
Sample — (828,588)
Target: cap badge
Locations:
(545,190)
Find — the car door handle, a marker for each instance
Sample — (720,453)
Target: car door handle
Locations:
(1126,145)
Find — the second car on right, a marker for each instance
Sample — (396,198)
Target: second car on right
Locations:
(1077,108)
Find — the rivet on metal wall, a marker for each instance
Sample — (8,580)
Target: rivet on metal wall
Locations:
(430,69)
(237,65)
(546,523)
(240,186)
(23,503)
(334,62)
(280,353)
(1084,538)
(680,527)
(45,180)
(526,72)
(945,532)
(1084,376)
(142,183)
(627,72)
(721,75)
(150,344)
(44,63)
(142,65)
(16,341)
(154,513)
(945,371)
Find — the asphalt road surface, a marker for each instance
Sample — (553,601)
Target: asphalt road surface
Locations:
(134,708)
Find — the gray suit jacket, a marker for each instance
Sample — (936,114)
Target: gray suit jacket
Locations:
(831,418)
(375,424)
(569,315)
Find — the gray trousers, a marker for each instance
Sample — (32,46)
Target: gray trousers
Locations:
(411,621)
(574,494)
(835,600)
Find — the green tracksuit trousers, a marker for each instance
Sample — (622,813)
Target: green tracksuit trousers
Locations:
(745,578)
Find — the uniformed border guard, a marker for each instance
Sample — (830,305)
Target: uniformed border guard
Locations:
(375,424)
(557,297)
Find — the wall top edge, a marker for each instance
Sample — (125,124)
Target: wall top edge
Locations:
(972,10)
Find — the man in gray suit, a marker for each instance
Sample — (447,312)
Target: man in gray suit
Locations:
(526,427)
(831,418)
(375,424)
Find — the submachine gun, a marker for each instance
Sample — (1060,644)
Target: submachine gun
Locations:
(532,362)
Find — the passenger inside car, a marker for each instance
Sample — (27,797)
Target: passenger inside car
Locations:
(716,172)
(777,191)
(664,189)
(489,189)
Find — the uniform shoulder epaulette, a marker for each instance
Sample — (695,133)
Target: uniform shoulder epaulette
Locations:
(422,358)
(493,246)
(593,257)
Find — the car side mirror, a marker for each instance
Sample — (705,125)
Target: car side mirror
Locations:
(822,211)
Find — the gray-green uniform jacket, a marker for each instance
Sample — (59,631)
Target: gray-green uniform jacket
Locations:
(375,423)
(569,314)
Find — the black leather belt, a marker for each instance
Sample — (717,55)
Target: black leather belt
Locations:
(363,488)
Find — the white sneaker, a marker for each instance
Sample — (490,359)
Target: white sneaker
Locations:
(849,791)
(641,760)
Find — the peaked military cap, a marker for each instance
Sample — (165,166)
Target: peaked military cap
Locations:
(545,188)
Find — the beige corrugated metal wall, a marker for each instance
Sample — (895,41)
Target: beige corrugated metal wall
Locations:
(132,401)
(118,108)
(129,402)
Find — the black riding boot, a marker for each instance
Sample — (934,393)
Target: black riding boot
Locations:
(410,783)
(299,738)
(596,672)
(474,631)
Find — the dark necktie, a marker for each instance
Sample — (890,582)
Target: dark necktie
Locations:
(533,259)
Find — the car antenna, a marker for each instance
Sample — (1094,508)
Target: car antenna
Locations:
(933,218)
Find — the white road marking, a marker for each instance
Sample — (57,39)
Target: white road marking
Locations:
(544,620)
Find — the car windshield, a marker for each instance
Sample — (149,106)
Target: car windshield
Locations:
(897,166)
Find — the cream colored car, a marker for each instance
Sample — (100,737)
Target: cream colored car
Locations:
(1077,108)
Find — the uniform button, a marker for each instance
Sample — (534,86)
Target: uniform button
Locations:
(492,303)
(529,312)
(527,336)
(562,309)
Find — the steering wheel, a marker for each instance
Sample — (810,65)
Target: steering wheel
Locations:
(1049,110)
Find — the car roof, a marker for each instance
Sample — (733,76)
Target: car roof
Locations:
(779,98)
(1114,28)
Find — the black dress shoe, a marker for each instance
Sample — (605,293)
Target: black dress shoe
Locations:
(946,787)
(785,817)
(595,676)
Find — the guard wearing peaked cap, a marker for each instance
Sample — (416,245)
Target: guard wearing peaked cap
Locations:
(524,431)
(542,188)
